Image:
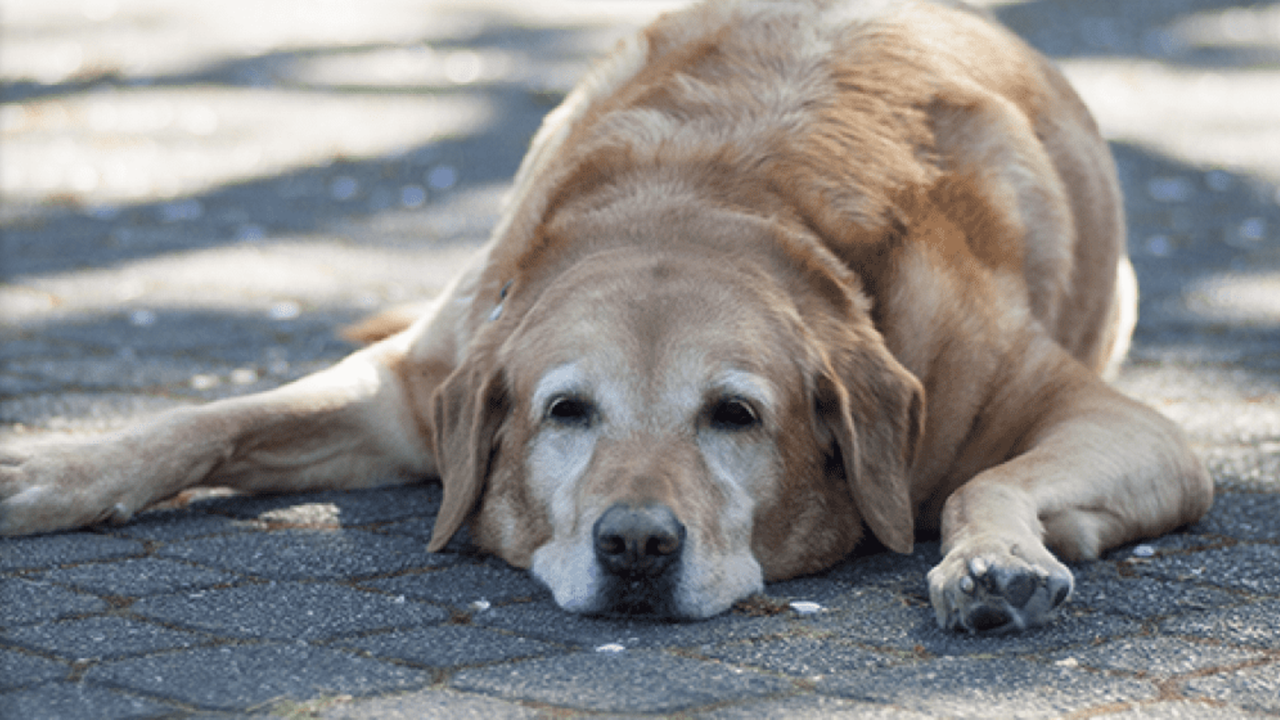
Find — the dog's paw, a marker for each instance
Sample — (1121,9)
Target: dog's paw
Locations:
(41,490)
(997,586)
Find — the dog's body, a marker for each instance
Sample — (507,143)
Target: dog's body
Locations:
(696,354)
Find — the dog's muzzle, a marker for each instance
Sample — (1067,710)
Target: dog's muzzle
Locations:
(639,548)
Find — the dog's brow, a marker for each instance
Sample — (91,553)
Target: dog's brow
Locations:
(745,384)
(559,380)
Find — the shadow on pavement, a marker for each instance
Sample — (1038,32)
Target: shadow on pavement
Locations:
(1131,28)
(65,235)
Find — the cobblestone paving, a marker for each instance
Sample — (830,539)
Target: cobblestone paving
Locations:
(196,196)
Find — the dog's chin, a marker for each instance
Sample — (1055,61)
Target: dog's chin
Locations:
(626,599)
(647,599)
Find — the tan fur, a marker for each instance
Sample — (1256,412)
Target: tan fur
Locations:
(888,229)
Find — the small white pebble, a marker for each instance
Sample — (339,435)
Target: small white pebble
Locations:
(1170,189)
(611,648)
(204,382)
(1144,551)
(480,605)
(1068,662)
(413,196)
(804,607)
(343,187)
(1159,246)
(251,233)
(142,318)
(181,210)
(244,376)
(1253,229)
(285,310)
(1218,181)
(442,177)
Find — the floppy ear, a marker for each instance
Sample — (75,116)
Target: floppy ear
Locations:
(872,410)
(467,414)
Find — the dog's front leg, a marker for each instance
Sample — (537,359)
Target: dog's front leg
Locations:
(1095,470)
(356,424)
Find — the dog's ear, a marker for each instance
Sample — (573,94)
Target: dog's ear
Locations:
(871,410)
(467,413)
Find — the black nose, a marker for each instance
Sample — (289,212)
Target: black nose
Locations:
(639,541)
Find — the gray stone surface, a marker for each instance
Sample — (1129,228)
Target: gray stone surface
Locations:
(1159,656)
(252,676)
(984,688)
(78,700)
(809,707)
(451,646)
(28,601)
(1248,568)
(21,669)
(427,704)
(63,549)
(98,638)
(1255,624)
(1255,688)
(287,611)
(642,681)
(545,621)
(1182,710)
(195,197)
(808,657)
(143,576)
(467,582)
(300,554)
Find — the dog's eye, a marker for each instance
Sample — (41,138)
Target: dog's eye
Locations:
(733,414)
(570,410)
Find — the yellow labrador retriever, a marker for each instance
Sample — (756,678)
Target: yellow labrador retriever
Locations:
(773,276)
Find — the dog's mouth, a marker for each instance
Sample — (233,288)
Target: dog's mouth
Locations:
(640,597)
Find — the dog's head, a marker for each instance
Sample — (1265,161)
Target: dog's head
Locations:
(660,432)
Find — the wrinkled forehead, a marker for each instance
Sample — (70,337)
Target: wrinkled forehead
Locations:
(662,325)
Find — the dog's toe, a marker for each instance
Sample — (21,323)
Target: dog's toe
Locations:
(56,486)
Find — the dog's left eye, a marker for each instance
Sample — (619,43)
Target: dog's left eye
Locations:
(733,414)
(570,410)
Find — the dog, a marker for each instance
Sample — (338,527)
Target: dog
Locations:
(774,280)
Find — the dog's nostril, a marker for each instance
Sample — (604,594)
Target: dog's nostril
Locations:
(664,544)
(642,540)
(611,544)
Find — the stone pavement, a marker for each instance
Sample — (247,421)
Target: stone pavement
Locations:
(195,196)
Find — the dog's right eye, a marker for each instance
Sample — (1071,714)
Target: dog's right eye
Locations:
(570,410)
(733,415)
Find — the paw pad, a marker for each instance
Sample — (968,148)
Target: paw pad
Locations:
(997,594)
